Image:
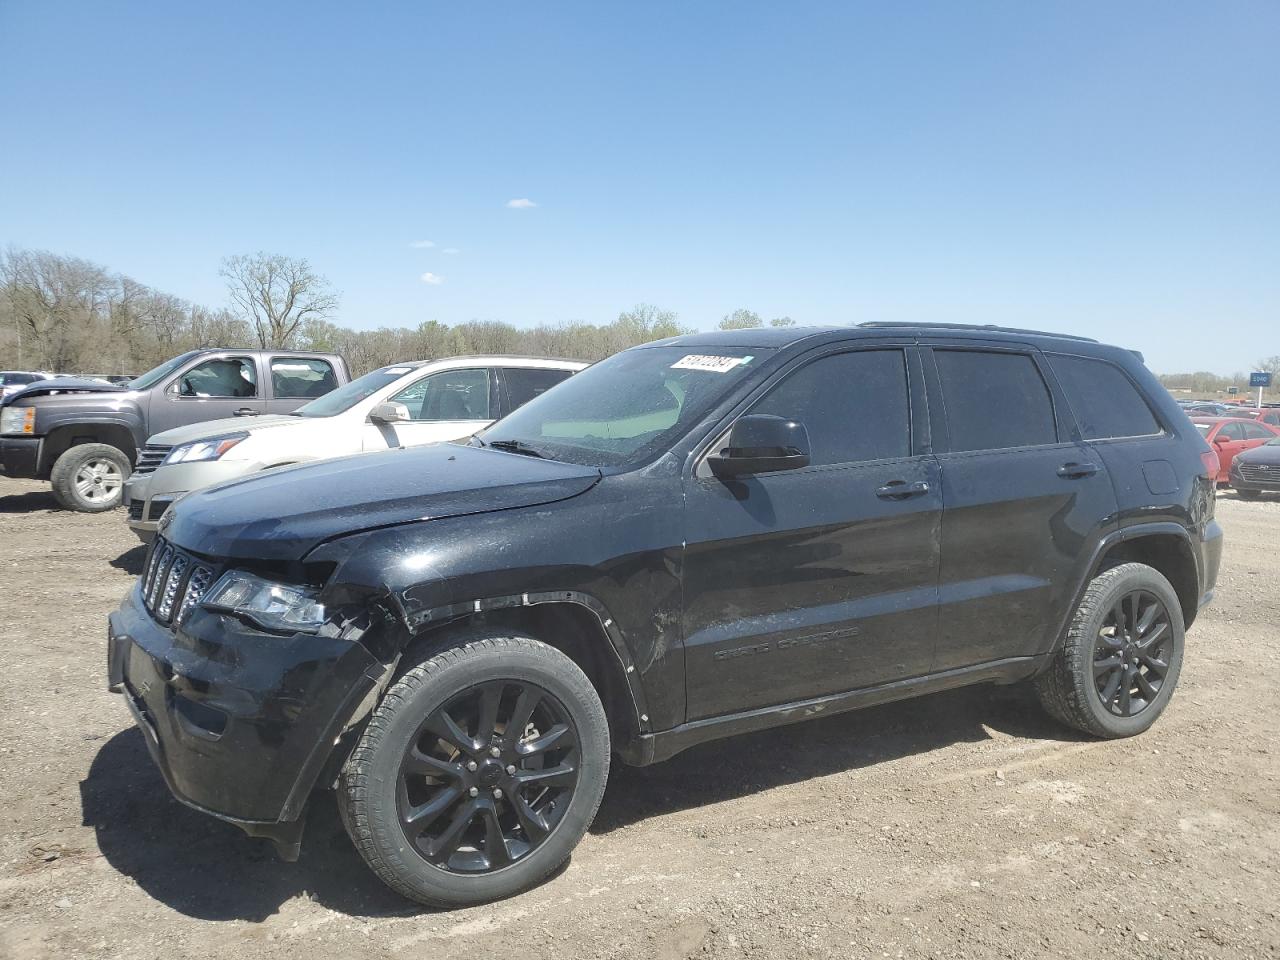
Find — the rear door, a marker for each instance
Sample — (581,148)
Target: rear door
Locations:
(823,579)
(445,405)
(222,385)
(1021,499)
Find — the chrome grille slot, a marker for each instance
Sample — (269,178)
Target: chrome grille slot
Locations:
(198,585)
(1260,471)
(151,456)
(171,585)
(158,576)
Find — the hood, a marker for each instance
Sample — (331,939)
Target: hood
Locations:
(64,385)
(280,515)
(216,428)
(1264,454)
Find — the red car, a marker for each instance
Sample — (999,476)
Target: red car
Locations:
(1267,415)
(1231,435)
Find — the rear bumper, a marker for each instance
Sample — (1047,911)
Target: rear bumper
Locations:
(1210,560)
(239,722)
(19,457)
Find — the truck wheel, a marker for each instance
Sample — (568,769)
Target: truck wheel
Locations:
(90,477)
(1116,671)
(479,771)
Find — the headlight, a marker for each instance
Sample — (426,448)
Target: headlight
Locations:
(19,420)
(276,606)
(210,449)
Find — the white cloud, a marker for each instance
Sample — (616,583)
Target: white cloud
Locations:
(432,278)
(422,244)
(524,203)
(450,250)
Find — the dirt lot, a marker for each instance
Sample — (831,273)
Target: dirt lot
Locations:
(961,825)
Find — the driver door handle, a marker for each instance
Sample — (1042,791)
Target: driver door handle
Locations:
(246,412)
(901,490)
(1074,471)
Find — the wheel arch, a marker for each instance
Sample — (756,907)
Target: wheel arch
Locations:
(1162,549)
(61,439)
(574,623)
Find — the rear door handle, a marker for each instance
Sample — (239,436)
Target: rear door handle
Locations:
(246,412)
(1075,471)
(901,490)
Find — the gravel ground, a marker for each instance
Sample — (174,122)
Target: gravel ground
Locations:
(959,825)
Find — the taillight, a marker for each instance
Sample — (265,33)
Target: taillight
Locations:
(1211,465)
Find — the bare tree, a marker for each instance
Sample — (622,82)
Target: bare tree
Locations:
(277,294)
(1269,365)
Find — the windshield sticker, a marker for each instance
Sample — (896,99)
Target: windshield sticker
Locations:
(399,369)
(710,364)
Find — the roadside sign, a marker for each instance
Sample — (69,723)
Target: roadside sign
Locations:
(1259,379)
(1232,391)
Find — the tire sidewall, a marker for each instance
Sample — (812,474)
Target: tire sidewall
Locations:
(1151,581)
(415,702)
(62,476)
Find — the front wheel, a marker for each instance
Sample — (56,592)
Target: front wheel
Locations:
(479,772)
(90,477)
(1116,671)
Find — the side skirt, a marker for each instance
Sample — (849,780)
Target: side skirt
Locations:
(656,747)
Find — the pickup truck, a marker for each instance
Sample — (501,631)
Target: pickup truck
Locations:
(84,436)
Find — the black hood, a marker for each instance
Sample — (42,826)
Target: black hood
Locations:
(282,514)
(1268,453)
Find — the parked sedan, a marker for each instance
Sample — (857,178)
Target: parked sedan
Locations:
(1267,415)
(1257,471)
(1231,436)
(403,405)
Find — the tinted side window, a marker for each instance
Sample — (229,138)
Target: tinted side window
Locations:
(525,383)
(449,395)
(1254,432)
(223,377)
(1104,400)
(297,377)
(994,400)
(854,405)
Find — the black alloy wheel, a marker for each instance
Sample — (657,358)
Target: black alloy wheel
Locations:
(1130,660)
(488,776)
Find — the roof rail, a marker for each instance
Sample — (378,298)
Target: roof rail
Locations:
(991,327)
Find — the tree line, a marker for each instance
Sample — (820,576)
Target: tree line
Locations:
(68,315)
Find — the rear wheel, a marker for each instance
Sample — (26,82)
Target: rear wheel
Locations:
(1117,670)
(478,773)
(89,477)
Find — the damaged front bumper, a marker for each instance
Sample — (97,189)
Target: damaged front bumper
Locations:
(241,723)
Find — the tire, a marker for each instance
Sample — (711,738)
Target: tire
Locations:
(382,781)
(1068,688)
(1249,494)
(89,477)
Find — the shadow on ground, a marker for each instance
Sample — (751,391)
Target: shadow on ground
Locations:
(29,502)
(131,561)
(208,869)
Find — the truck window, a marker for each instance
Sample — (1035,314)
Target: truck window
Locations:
(222,377)
(301,378)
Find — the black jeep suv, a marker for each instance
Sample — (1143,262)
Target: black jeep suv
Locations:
(694,538)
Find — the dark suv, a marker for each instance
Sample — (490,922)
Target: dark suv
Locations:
(695,538)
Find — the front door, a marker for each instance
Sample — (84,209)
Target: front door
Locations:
(214,388)
(823,579)
(448,405)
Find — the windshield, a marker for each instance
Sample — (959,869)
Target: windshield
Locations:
(156,374)
(622,409)
(346,397)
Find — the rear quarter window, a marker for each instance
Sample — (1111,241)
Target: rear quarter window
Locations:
(1103,398)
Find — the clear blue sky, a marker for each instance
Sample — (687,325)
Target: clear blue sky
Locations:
(1109,169)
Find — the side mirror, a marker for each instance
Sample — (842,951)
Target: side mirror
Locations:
(760,443)
(389,413)
(1221,440)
